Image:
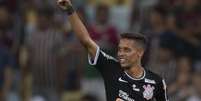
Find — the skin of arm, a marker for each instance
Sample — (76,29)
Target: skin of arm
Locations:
(79,29)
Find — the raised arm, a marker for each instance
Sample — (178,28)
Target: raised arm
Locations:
(78,27)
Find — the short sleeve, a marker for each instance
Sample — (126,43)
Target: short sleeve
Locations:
(91,61)
(162,92)
(104,63)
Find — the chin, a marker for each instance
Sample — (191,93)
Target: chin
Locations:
(125,67)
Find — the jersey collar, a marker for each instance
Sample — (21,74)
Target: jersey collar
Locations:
(144,73)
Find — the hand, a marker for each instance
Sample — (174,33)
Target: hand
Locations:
(64,4)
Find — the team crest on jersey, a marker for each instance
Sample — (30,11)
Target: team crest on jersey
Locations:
(148,92)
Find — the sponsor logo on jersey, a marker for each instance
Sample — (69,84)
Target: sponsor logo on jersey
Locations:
(123,95)
(149,81)
(121,80)
(148,92)
(135,89)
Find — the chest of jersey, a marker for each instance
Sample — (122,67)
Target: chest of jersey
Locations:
(134,90)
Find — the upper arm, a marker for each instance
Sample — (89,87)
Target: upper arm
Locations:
(92,48)
(82,34)
(104,63)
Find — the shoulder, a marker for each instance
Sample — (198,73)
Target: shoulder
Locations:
(153,76)
(108,57)
(102,58)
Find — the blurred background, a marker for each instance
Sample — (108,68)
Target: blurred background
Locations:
(41,60)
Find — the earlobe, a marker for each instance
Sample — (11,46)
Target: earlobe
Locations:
(140,54)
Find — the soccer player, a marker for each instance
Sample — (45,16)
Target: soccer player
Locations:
(124,78)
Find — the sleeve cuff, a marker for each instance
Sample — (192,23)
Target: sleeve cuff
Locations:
(94,61)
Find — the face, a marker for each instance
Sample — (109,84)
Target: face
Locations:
(128,54)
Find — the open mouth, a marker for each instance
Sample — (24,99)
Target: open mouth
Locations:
(122,60)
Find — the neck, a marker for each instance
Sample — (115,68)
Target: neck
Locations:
(136,71)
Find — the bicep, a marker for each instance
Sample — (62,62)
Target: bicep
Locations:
(92,48)
(82,34)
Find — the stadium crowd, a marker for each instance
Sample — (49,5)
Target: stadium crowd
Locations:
(41,60)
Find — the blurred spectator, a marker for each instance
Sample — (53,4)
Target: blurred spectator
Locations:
(102,31)
(6,66)
(7,59)
(136,18)
(89,98)
(182,89)
(6,26)
(179,89)
(12,5)
(42,47)
(165,64)
(197,63)
(159,36)
(188,40)
(195,94)
(74,62)
(120,15)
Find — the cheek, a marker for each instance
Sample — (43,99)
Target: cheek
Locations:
(132,54)
(132,57)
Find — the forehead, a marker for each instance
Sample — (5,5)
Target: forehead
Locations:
(126,42)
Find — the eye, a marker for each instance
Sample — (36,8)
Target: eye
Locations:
(124,49)
(127,49)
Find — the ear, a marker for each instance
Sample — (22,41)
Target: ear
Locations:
(140,52)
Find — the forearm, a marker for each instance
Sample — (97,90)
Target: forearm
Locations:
(80,30)
(78,27)
(82,33)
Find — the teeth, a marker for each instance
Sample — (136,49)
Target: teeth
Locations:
(122,59)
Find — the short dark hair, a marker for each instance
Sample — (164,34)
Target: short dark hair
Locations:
(137,37)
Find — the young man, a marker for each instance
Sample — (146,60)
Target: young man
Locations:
(125,79)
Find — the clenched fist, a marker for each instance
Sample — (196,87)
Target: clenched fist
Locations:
(66,5)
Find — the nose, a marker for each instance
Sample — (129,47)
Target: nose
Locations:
(120,53)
